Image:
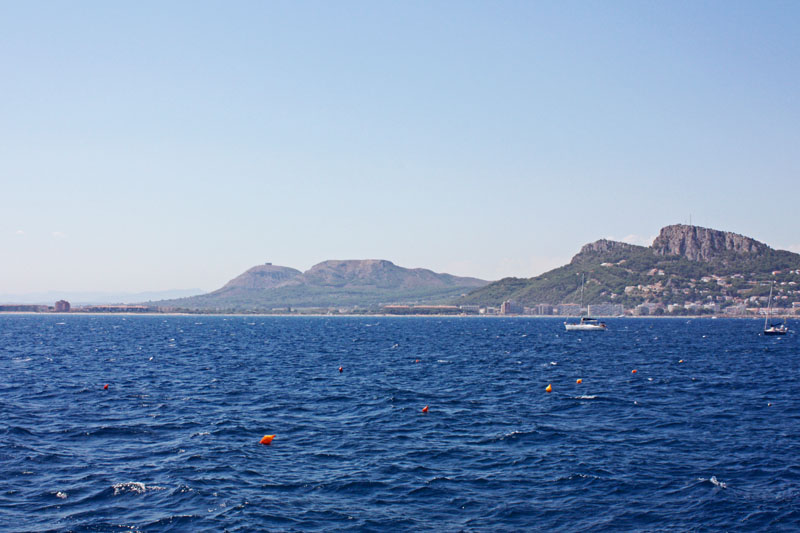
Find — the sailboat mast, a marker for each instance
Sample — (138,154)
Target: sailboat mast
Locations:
(769,306)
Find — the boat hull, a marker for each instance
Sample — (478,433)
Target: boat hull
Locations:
(585,327)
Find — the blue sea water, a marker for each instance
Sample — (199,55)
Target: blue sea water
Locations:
(711,443)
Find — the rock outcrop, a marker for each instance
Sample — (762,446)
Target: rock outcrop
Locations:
(604,247)
(704,244)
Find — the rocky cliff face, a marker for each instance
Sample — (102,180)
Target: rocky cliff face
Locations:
(704,244)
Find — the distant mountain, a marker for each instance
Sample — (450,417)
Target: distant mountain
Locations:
(334,283)
(684,264)
(94,298)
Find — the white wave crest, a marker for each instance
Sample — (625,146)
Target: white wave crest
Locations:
(719,484)
(714,481)
(134,487)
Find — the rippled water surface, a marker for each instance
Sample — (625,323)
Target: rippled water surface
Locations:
(704,436)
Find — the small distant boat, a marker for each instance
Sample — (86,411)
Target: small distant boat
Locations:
(586,323)
(773,329)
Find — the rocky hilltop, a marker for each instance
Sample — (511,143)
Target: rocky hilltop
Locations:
(685,266)
(704,244)
(264,276)
(379,273)
(604,248)
(333,283)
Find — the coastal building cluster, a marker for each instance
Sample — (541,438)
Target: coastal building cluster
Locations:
(63,306)
(732,295)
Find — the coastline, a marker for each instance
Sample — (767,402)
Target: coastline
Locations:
(389,315)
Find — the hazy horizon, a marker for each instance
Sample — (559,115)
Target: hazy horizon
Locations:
(150,147)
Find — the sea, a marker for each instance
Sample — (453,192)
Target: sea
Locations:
(154,423)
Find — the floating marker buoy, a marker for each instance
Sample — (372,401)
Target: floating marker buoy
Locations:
(341,369)
(266,440)
(105,387)
(681,361)
(579,381)
(549,388)
(633,371)
(417,361)
(425,409)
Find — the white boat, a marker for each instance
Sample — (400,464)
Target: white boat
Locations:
(773,329)
(586,323)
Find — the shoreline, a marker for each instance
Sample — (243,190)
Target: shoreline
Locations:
(387,315)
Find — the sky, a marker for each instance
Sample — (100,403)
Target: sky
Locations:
(151,145)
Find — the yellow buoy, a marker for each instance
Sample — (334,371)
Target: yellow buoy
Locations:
(267,439)
(549,388)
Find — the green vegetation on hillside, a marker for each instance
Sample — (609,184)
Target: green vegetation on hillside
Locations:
(635,274)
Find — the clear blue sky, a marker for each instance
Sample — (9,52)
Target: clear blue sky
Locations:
(163,145)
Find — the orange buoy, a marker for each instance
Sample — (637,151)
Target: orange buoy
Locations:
(105,387)
(633,371)
(417,361)
(341,369)
(266,439)
(579,381)
(681,361)
(425,409)
(549,388)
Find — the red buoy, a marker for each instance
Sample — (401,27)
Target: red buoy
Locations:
(633,371)
(341,369)
(425,409)
(105,387)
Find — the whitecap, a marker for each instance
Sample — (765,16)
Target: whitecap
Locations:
(62,495)
(718,483)
(585,397)
(133,487)
(443,361)
(553,363)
